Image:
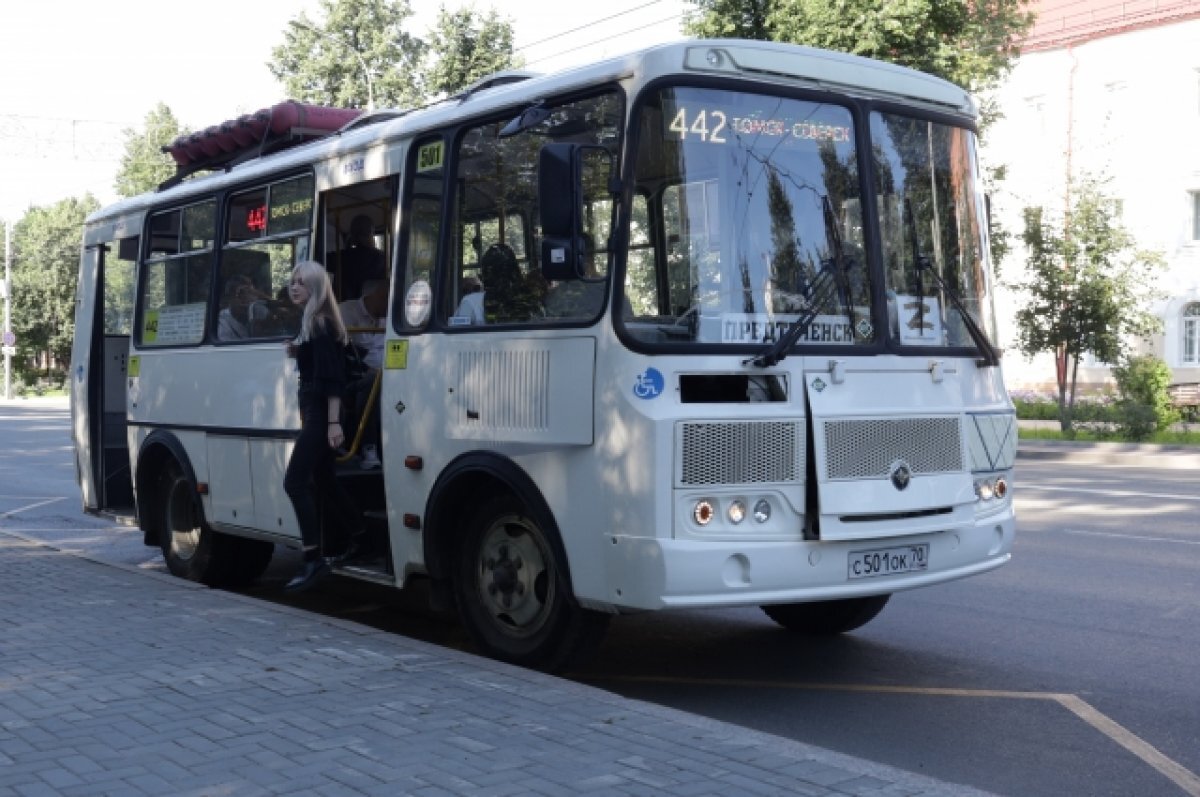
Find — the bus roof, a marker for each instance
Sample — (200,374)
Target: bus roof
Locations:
(770,62)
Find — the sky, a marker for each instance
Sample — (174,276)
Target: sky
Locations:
(75,75)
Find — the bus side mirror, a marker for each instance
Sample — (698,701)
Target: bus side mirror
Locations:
(565,172)
(560,208)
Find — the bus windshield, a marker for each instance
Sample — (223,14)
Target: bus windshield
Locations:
(748,220)
(759,203)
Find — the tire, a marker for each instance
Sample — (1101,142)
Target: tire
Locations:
(194,551)
(825,618)
(513,595)
(188,544)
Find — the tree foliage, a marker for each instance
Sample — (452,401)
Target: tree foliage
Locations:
(46,245)
(1088,288)
(969,42)
(354,52)
(465,46)
(144,165)
(359,50)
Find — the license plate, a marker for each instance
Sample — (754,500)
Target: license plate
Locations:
(888,561)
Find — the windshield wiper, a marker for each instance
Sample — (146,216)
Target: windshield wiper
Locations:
(830,283)
(991,357)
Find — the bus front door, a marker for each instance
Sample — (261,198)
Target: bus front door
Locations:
(99,359)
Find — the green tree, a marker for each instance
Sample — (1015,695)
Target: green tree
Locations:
(465,46)
(970,42)
(46,244)
(1088,288)
(356,52)
(144,165)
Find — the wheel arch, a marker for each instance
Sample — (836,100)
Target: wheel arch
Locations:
(156,450)
(455,497)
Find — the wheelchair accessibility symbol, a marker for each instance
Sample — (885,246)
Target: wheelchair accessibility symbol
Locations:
(648,384)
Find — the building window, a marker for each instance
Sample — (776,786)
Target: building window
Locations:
(1194,196)
(1191,334)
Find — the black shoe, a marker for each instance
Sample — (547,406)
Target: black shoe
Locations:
(310,573)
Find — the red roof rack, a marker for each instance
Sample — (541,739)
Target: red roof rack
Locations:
(254,135)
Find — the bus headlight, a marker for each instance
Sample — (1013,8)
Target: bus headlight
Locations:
(983,489)
(737,511)
(762,511)
(703,512)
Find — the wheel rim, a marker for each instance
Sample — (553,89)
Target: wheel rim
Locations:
(515,582)
(181,520)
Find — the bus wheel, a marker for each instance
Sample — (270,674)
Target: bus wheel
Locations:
(187,542)
(822,618)
(514,598)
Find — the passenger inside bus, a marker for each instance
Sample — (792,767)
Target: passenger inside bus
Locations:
(360,261)
(470,309)
(509,296)
(362,316)
(244,305)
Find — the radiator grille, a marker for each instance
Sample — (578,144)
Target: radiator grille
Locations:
(866,449)
(742,452)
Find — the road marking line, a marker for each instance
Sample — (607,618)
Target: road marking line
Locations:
(1173,771)
(1182,777)
(12,512)
(1113,493)
(1087,533)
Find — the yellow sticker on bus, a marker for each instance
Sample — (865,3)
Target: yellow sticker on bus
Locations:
(429,157)
(150,327)
(396,356)
(134,368)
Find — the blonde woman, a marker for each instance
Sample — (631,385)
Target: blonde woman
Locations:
(319,353)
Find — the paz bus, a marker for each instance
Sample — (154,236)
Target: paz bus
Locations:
(734,345)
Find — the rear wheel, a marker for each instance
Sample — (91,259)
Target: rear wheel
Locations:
(823,618)
(188,544)
(194,551)
(513,595)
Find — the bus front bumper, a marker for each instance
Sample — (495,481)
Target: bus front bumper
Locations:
(651,573)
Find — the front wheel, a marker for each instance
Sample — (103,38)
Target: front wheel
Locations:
(513,595)
(825,618)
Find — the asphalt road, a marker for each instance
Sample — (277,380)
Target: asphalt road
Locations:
(1073,670)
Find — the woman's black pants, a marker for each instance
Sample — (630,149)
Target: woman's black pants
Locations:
(310,473)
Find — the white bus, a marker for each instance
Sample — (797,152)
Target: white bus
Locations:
(734,347)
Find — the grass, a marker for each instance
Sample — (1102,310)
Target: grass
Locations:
(1173,438)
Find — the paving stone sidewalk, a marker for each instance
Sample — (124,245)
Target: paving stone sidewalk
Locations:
(117,681)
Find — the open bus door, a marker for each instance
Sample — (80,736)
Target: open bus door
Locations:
(103,320)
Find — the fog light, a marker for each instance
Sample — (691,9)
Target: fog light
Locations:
(737,511)
(983,489)
(703,512)
(762,511)
(1001,488)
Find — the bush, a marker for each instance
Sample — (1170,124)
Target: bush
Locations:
(1142,384)
(1136,421)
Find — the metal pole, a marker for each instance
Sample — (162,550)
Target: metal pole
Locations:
(7,308)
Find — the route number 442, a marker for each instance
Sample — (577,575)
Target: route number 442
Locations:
(708,126)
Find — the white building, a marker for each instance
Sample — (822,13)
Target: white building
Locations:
(1111,90)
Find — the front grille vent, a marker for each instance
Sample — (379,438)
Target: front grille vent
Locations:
(867,449)
(741,452)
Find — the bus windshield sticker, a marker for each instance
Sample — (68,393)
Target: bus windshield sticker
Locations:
(417,303)
(181,323)
(920,320)
(649,384)
(429,157)
(759,328)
